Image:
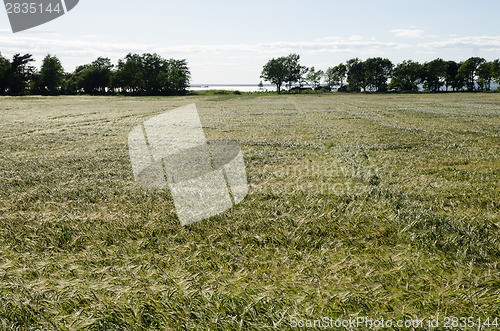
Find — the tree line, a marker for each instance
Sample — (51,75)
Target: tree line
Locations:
(381,75)
(146,74)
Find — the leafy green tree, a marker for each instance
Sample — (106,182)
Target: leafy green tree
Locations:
(93,78)
(164,77)
(151,68)
(81,79)
(293,69)
(451,78)
(302,77)
(101,70)
(275,71)
(377,73)
(434,74)
(5,69)
(20,74)
(496,70)
(314,77)
(150,74)
(335,76)
(356,77)
(485,74)
(341,72)
(129,74)
(68,86)
(406,77)
(177,77)
(51,76)
(468,71)
(331,78)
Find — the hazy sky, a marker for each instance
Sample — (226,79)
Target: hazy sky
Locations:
(229,41)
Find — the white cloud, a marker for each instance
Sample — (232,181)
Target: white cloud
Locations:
(90,47)
(210,59)
(483,42)
(332,38)
(408,33)
(425,52)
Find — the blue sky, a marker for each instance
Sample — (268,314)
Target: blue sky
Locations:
(229,41)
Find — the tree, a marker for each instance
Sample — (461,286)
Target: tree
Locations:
(128,76)
(314,77)
(151,68)
(4,74)
(406,77)
(331,78)
(496,70)
(68,86)
(434,74)
(176,77)
(341,72)
(150,74)
(302,77)
(93,78)
(377,73)
(164,77)
(485,74)
(275,72)
(101,74)
(293,69)
(51,76)
(20,74)
(356,75)
(468,71)
(335,76)
(81,80)
(451,76)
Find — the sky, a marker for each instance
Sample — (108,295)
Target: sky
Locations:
(228,42)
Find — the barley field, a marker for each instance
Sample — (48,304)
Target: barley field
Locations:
(377,206)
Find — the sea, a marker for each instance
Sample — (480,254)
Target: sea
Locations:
(266,87)
(233,87)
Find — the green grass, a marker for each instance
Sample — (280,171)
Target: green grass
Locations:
(359,205)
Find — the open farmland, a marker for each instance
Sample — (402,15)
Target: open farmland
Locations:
(384,206)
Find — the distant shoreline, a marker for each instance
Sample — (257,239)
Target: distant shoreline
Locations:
(233,87)
(272,88)
(197,85)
